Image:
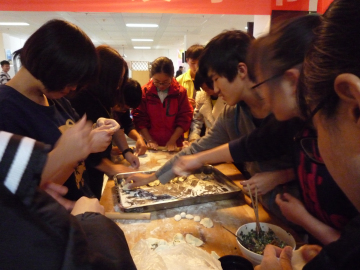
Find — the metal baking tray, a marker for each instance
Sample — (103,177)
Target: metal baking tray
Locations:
(204,185)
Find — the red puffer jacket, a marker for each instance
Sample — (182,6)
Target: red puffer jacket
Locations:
(161,119)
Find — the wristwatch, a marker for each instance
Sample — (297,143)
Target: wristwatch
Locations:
(127,150)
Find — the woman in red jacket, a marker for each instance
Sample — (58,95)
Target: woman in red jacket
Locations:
(165,112)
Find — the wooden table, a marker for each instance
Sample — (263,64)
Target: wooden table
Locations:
(229,213)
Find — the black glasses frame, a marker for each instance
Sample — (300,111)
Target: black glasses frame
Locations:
(265,81)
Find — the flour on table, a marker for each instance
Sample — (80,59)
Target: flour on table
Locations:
(177,217)
(160,157)
(188,216)
(197,218)
(207,222)
(192,240)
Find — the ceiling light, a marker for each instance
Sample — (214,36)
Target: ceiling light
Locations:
(13,23)
(141,39)
(141,25)
(142,47)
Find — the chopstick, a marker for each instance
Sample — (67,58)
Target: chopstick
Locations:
(255,205)
(232,233)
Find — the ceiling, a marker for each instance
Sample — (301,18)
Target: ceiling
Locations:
(109,28)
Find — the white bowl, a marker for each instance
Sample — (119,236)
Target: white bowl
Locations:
(253,257)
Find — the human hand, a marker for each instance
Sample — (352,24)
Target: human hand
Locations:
(171,145)
(85,204)
(152,144)
(264,182)
(192,102)
(303,255)
(276,258)
(293,209)
(186,144)
(185,164)
(118,168)
(111,124)
(57,192)
(140,147)
(74,143)
(132,159)
(140,179)
(100,139)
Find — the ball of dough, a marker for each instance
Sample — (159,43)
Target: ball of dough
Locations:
(177,217)
(188,216)
(183,214)
(197,218)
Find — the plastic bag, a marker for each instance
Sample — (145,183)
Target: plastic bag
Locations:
(152,255)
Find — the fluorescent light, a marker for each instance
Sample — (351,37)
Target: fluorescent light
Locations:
(141,39)
(13,23)
(142,47)
(141,25)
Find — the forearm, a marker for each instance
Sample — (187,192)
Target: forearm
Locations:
(107,167)
(146,135)
(324,233)
(120,140)
(133,134)
(177,133)
(57,169)
(216,155)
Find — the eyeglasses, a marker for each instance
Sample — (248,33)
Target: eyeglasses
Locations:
(162,83)
(265,81)
(309,144)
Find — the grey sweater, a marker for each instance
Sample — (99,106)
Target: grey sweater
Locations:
(232,123)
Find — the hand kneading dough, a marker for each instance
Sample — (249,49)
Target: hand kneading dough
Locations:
(207,222)
(192,240)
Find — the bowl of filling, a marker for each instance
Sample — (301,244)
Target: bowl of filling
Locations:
(252,246)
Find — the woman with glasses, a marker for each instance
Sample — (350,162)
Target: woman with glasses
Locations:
(329,97)
(165,112)
(284,50)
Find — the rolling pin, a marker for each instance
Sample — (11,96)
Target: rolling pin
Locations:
(120,215)
(163,148)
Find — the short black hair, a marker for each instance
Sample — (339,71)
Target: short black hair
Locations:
(162,65)
(194,51)
(4,62)
(59,54)
(132,93)
(223,54)
(200,80)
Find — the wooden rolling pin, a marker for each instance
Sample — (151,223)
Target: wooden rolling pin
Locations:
(120,215)
(163,148)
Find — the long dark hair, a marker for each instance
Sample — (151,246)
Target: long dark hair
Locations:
(59,54)
(110,80)
(283,48)
(336,50)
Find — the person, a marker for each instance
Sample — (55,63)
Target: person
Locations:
(208,107)
(165,112)
(322,219)
(37,231)
(4,75)
(329,97)
(179,71)
(96,102)
(56,59)
(244,112)
(187,79)
(132,93)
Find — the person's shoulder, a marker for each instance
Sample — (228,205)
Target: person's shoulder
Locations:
(7,93)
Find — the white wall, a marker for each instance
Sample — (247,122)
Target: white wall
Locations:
(8,42)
